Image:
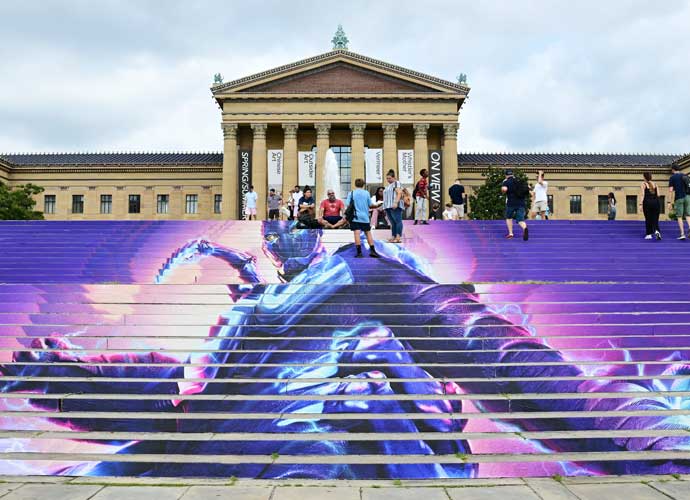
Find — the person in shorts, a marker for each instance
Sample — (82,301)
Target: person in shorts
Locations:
(457,198)
(250,198)
(541,199)
(681,206)
(362,203)
(274,202)
(515,205)
(331,212)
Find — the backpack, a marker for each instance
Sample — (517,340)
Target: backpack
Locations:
(350,211)
(521,188)
(686,183)
(406,198)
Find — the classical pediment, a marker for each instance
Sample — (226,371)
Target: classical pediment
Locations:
(339,72)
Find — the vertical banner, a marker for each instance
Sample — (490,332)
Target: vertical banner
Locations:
(244,165)
(373,161)
(406,166)
(435,193)
(306,168)
(275,169)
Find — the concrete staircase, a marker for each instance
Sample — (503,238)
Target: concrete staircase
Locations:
(235,349)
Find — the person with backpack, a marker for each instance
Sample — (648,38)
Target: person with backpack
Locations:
(394,204)
(516,192)
(679,185)
(650,207)
(357,214)
(421,197)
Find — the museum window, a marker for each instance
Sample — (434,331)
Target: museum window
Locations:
(603,202)
(134,203)
(575,204)
(343,155)
(191,204)
(217,203)
(662,204)
(549,202)
(106,203)
(162,203)
(49,204)
(631,204)
(77,203)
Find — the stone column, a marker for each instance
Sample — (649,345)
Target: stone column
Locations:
(357,145)
(289,159)
(450,158)
(323,142)
(390,148)
(260,168)
(421,147)
(230,179)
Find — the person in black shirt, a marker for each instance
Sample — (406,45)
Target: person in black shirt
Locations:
(515,204)
(457,198)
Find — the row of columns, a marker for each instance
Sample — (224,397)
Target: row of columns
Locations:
(323,130)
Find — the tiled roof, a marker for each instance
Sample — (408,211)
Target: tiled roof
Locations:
(562,159)
(160,158)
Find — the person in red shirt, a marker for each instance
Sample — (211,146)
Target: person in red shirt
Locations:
(421,197)
(331,212)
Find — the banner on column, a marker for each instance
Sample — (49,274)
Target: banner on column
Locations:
(275,169)
(307,168)
(406,166)
(373,161)
(435,176)
(244,163)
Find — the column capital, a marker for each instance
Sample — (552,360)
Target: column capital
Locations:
(290,130)
(323,130)
(259,130)
(420,130)
(358,129)
(450,130)
(390,130)
(229,130)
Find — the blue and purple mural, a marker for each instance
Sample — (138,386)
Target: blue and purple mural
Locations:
(240,339)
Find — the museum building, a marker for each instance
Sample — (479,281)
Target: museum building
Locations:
(374,116)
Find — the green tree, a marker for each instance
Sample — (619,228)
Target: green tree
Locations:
(488,203)
(18,203)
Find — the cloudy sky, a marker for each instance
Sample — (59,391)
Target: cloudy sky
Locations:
(546,75)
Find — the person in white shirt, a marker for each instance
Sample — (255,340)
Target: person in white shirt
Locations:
(450,213)
(250,198)
(294,205)
(541,200)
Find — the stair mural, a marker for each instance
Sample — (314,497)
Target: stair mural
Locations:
(260,350)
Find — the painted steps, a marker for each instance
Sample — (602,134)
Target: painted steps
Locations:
(272,352)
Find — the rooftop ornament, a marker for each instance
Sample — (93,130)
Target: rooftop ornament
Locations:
(217,79)
(462,79)
(340,40)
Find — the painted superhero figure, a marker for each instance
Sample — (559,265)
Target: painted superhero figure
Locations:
(278,338)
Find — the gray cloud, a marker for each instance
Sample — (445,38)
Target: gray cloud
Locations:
(545,75)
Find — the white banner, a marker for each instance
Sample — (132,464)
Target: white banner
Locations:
(406,166)
(275,169)
(306,168)
(373,159)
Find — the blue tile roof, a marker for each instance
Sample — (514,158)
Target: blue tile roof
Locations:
(563,159)
(125,159)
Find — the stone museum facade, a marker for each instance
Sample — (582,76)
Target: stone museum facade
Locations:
(275,123)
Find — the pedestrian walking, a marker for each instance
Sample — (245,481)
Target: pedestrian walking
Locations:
(516,192)
(457,198)
(421,197)
(541,200)
(611,211)
(650,207)
(679,186)
(359,223)
(393,205)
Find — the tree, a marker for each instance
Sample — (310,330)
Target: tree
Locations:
(18,203)
(488,203)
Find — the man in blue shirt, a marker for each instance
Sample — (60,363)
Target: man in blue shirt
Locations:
(362,202)
(681,205)
(515,205)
